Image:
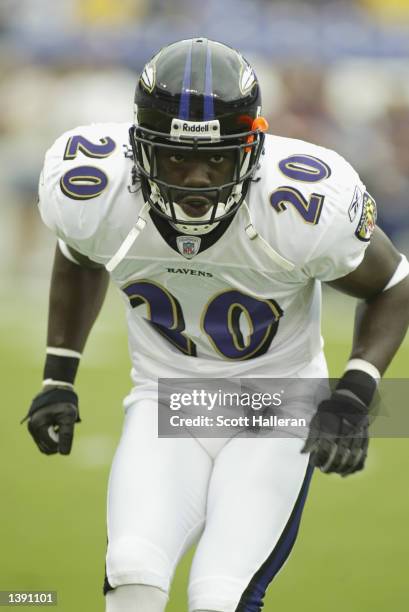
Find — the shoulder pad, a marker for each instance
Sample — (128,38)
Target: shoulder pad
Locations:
(83,172)
(312,203)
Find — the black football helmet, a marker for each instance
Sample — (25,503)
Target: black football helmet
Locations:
(193,95)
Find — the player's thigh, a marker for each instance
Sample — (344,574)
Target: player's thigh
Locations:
(156,500)
(256,495)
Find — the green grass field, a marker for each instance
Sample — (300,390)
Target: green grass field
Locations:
(353,546)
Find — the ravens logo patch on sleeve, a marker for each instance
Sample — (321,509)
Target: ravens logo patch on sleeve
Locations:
(367,220)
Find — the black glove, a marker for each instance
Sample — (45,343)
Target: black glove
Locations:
(51,419)
(338,438)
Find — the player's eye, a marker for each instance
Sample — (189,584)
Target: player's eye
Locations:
(176,158)
(217,159)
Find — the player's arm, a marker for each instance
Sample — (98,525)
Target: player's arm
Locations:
(77,293)
(338,438)
(78,288)
(382,317)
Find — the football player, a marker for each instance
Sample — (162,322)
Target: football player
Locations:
(218,236)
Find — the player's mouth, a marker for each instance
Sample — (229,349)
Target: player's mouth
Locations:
(195,206)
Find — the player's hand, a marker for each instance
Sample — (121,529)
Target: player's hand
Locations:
(51,419)
(338,437)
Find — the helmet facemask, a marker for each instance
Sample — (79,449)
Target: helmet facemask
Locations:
(245,147)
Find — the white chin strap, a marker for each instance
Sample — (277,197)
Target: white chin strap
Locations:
(259,243)
(197,230)
(129,240)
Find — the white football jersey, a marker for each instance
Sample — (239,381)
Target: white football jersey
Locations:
(229,309)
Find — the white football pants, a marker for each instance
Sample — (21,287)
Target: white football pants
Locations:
(241,499)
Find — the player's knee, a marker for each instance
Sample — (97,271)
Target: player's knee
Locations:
(132,561)
(136,598)
(215,594)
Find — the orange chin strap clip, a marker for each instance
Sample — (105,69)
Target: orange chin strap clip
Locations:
(260,124)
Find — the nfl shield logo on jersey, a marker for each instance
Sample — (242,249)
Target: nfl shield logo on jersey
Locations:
(188,245)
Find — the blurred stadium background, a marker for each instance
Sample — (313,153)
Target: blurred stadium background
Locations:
(333,72)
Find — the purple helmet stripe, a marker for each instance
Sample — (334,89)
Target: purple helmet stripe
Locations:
(208,107)
(185,94)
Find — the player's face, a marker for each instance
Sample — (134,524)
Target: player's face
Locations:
(195,169)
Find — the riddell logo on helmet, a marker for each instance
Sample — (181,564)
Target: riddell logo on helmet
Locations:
(182,129)
(195,127)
